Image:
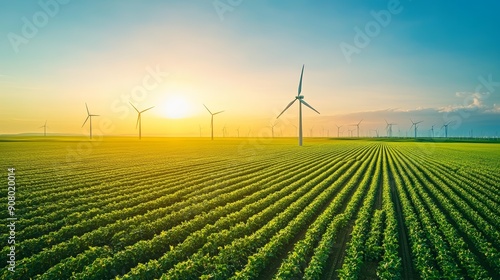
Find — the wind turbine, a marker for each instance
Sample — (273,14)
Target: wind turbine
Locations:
(272,128)
(44,128)
(212,121)
(238,129)
(432,131)
(224,131)
(389,128)
(338,130)
(296,129)
(351,130)
(446,129)
(89,116)
(301,101)
(357,125)
(376,131)
(139,119)
(414,124)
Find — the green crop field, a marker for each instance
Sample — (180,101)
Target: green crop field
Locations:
(250,209)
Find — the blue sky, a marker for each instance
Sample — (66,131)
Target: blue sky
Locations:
(430,61)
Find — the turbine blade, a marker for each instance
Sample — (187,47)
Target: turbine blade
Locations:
(305,103)
(134,107)
(300,82)
(217,113)
(360,121)
(86,120)
(288,106)
(207,109)
(88,112)
(138,118)
(147,109)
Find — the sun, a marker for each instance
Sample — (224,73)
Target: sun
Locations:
(176,107)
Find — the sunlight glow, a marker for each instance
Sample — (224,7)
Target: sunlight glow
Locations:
(176,107)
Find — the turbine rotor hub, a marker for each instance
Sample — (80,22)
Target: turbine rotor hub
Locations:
(300,97)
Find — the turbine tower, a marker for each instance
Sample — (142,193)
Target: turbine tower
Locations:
(389,128)
(272,128)
(350,132)
(446,129)
(44,129)
(89,116)
(224,131)
(432,131)
(338,130)
(139,119)
(357,125)
(414,124)
(212,121)
(301,101)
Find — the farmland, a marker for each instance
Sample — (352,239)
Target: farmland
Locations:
(253,209)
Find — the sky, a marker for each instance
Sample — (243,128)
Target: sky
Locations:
(430,61)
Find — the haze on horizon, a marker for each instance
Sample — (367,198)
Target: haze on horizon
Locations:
(370,60)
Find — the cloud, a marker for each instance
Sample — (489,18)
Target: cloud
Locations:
(471,101)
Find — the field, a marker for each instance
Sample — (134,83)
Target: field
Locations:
(252,209)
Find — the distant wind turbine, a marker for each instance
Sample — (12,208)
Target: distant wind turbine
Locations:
(272,128)
(301,101)
(357,125)
(212,121)
(224,131)
(446,129)
(389,128)
(432,131)
(296,129)
(338,130)
(44,129)
(89,116)
(139,119)
(238,130)
(414,124)
(350,132)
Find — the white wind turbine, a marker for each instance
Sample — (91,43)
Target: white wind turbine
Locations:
(446,129)
(89,116)
(338,130)
(272,128)
(414,124)
(350,132)
(212,120)
(44,129)
(139,119)
(301,101)
(357,125)
(389,128)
